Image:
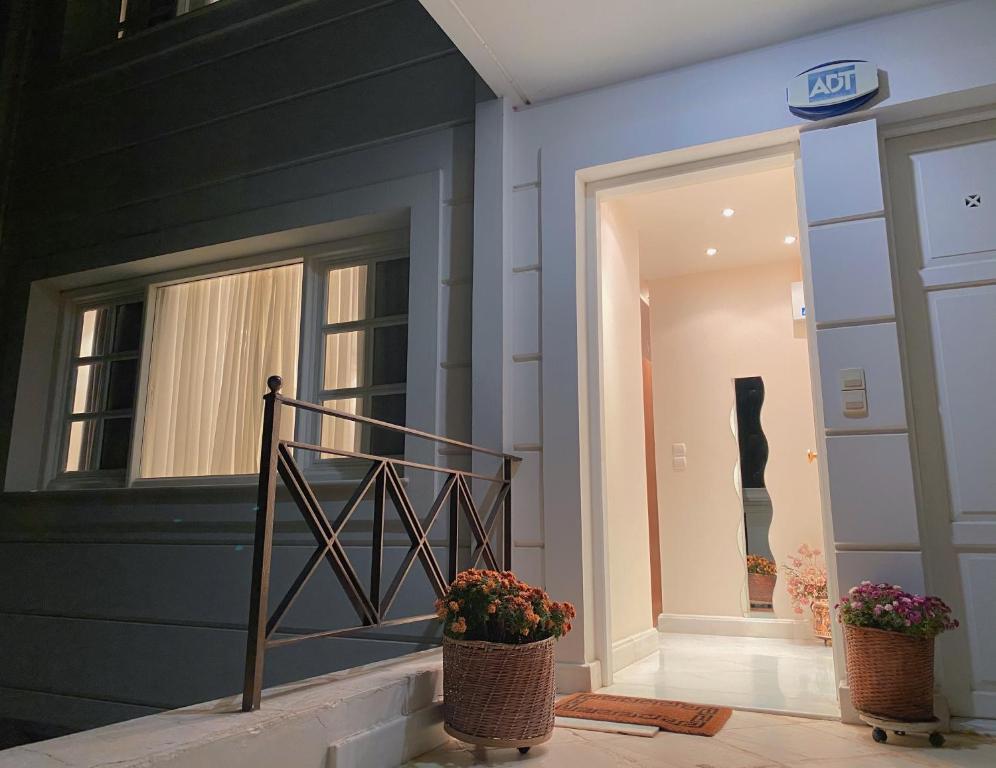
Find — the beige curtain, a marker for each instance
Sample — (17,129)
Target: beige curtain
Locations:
(214,343)
(344,353)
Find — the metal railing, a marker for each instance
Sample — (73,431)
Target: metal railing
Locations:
(383,477)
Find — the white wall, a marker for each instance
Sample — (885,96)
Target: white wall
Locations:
(625,457)
(708,329)
(722,106)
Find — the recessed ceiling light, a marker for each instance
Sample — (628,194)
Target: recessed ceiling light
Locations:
(711,251)
(727,212)
(789,239)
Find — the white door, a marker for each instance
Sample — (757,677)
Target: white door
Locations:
(943,194)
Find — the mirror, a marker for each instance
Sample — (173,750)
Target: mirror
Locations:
(757,510)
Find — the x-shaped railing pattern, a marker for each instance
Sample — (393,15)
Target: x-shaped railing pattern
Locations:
(383,479)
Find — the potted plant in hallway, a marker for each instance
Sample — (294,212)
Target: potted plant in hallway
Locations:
(498,636)
(761,576)
(889,635)
(807,587)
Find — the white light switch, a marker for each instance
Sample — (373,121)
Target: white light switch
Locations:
(678,449)
(855,403)
(679,463)
(852,378)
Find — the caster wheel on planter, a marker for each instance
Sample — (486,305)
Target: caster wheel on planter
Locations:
(879,735)
(523,750)
(936,739)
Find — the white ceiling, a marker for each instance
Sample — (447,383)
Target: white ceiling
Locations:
(533,50)
(676,225)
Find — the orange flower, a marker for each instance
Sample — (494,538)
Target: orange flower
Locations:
(454,606)
(459,626)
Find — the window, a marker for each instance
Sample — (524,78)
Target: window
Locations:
(213,340)
(103,374)
(89,24)
(365,352)
(135,15)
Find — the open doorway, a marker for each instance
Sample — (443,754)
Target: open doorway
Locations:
(732,510)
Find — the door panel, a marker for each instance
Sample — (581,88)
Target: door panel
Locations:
(978,572)
(956,196)
(964,324)
(943,217)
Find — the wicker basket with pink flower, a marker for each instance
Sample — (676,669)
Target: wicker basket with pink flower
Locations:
(889,634)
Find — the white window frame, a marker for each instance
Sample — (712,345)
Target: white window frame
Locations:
(315,259)
(367,249)
(74,305)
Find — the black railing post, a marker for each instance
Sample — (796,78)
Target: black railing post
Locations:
(262,547)
(507,522)
(377,543)
(454,549)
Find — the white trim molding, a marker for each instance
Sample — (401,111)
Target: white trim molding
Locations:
(734,626)
(573,677)
(631,649)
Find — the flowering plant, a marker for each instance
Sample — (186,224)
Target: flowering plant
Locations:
(888,607)
(761,565)
(807,578)
(497,607)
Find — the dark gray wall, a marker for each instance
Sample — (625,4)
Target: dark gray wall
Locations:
(120,603)
(224,111)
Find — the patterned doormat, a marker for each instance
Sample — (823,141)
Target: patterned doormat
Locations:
(673,716)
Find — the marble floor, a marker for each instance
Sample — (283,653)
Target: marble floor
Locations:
(778,676)
(749,740)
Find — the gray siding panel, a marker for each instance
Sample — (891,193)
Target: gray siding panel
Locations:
(205,585)
(281,69)
(431,94)
(158,666)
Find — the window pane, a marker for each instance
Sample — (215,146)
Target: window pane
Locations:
(391,288)
(86,389)
(341,433)
(121,386)
(94,321)
(385,442)
(347,294)
(81,435)
(127,327)
(114,443)
(390,356)
(345,355)
(214,343)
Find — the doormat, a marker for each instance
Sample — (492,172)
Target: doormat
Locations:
(673,716)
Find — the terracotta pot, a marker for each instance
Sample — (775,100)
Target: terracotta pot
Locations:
(498,695)
(761,588)
(820,618)
(891,675)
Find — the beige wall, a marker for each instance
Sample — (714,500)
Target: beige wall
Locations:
(625,471)
(708,329)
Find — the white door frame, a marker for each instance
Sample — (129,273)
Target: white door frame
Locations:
(594,185)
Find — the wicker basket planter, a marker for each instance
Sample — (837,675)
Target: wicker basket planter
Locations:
(498,695)
(890,674)
(761,588)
